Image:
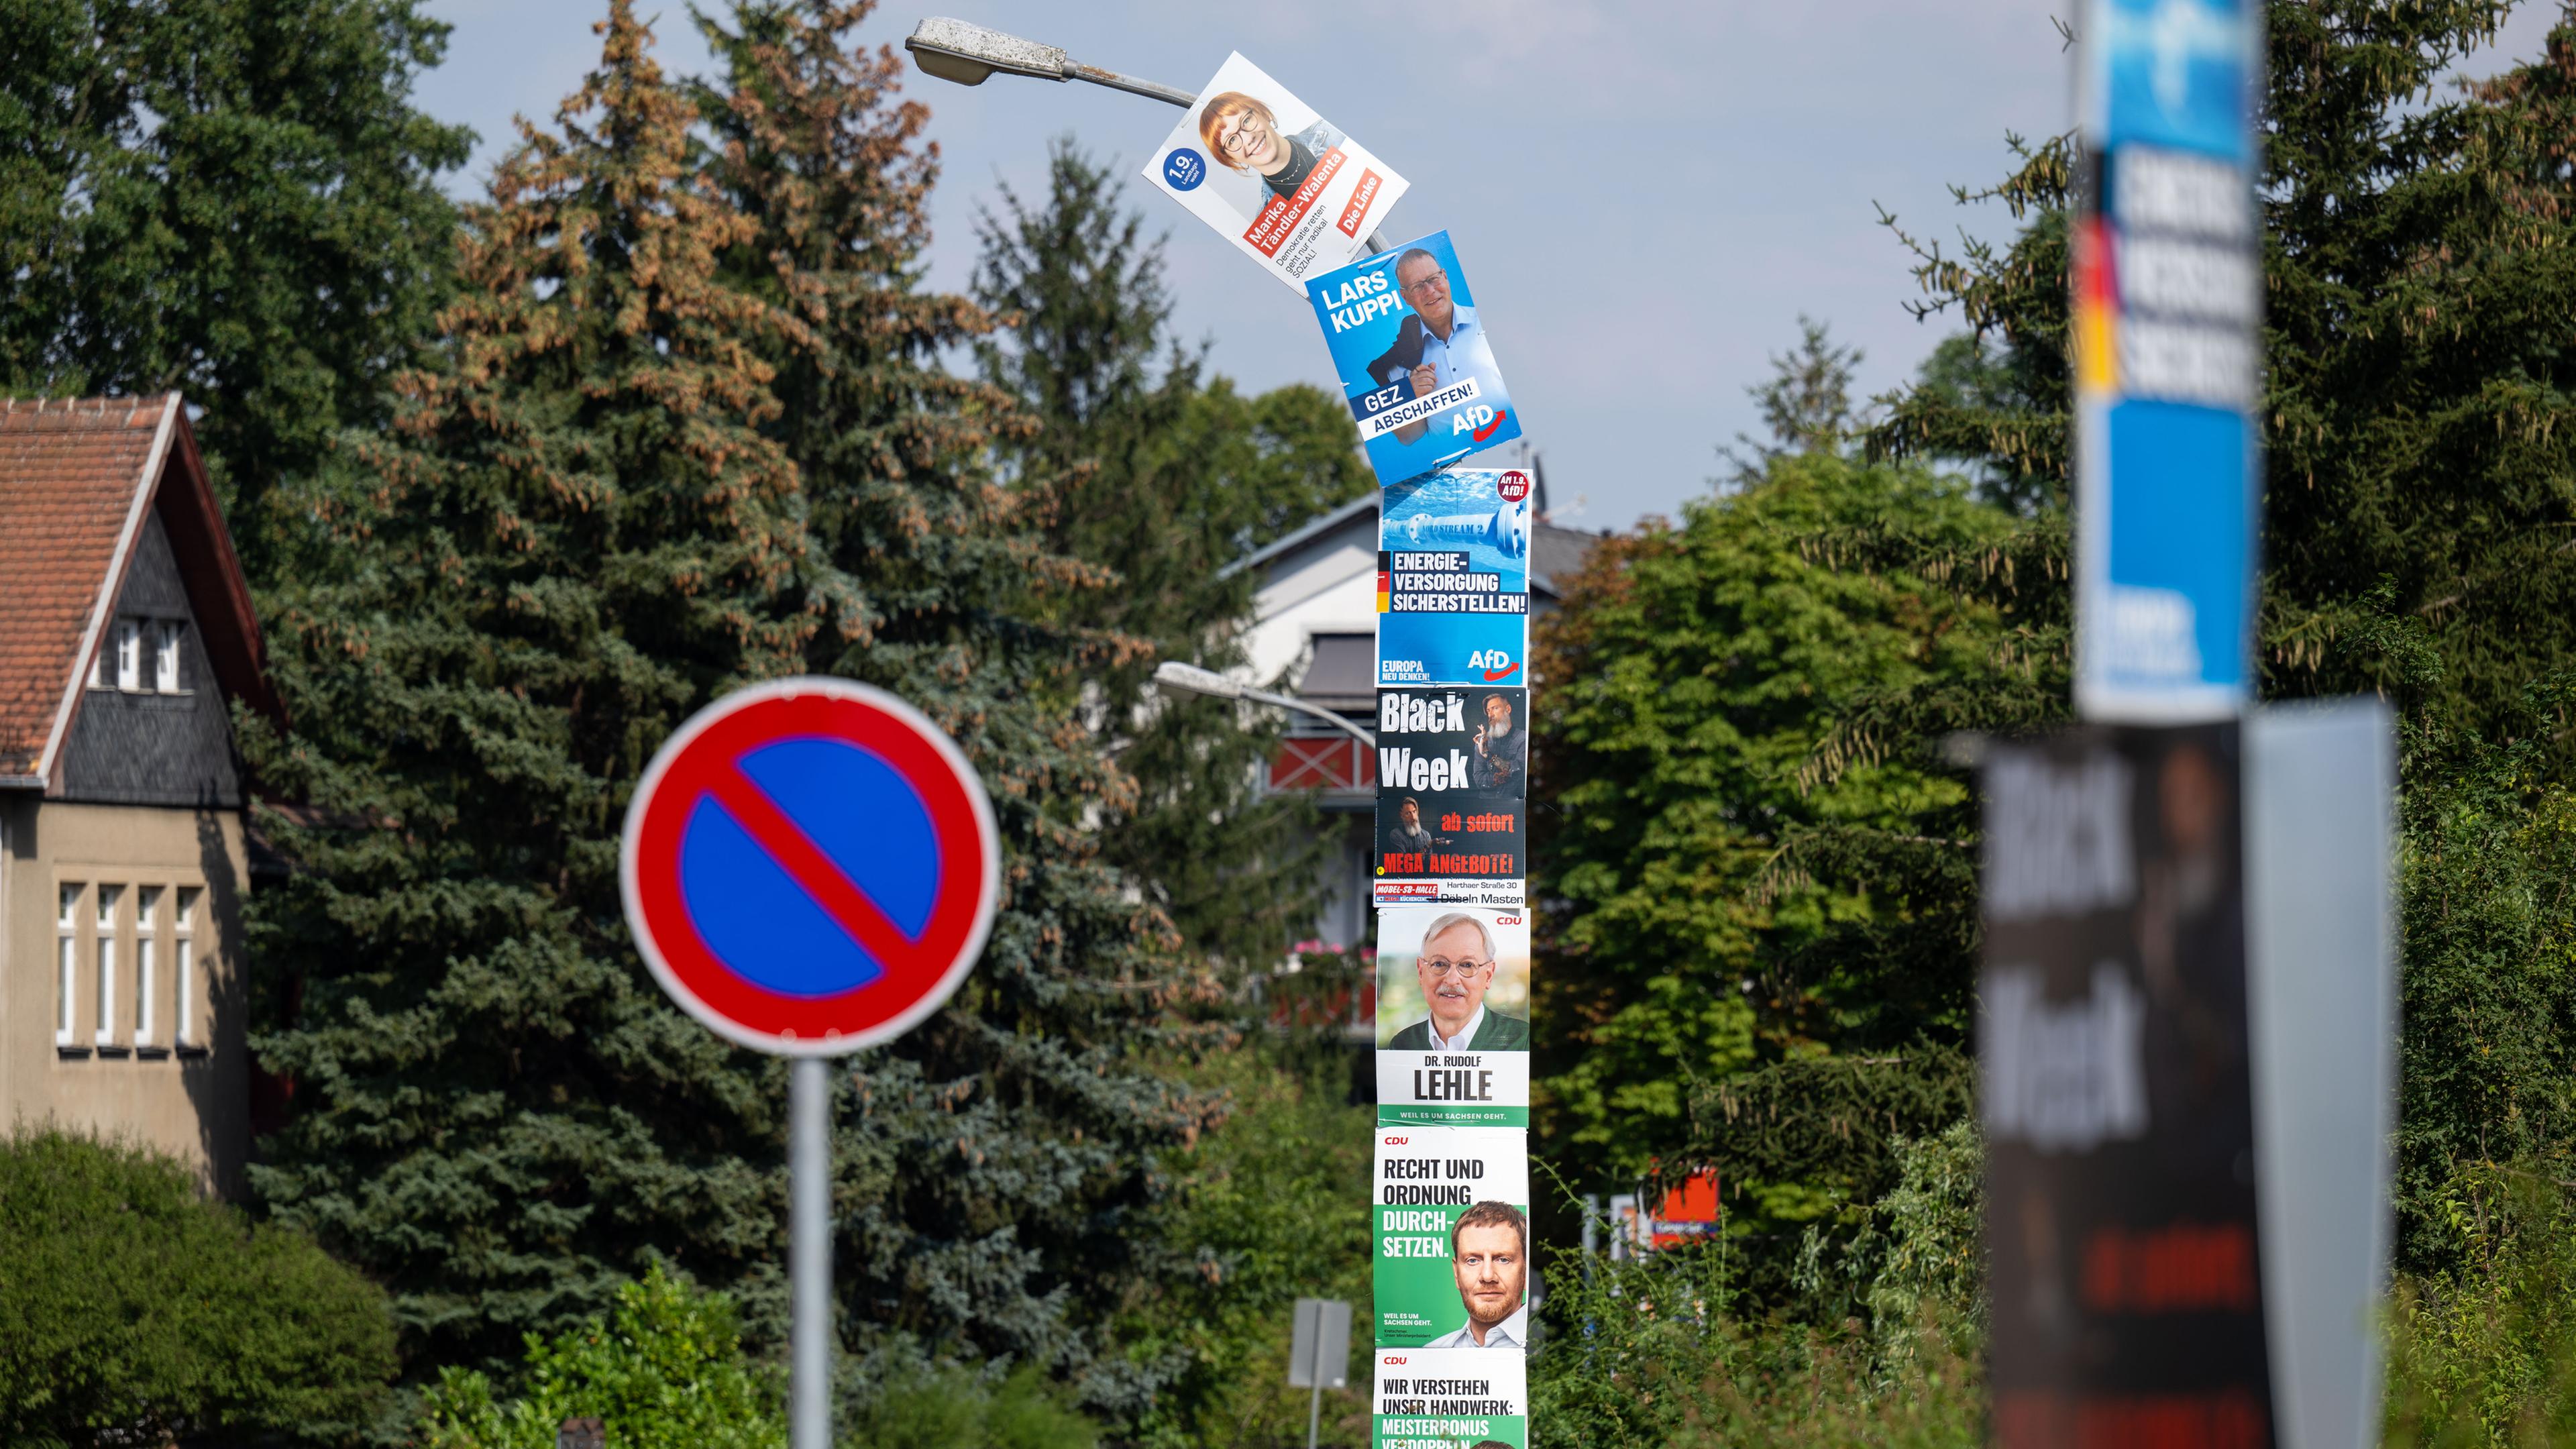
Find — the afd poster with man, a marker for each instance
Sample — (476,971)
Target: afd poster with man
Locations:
(1453,577)
(1450,1398)
(1453,1016)
(1279,181)
(1409,346)
(1452,1234)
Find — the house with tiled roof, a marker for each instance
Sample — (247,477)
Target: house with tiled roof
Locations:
(126,637)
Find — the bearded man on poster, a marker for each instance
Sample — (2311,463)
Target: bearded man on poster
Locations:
(1456,967)
(1489,1254)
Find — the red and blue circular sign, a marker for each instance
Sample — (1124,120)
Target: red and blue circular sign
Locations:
(810,866)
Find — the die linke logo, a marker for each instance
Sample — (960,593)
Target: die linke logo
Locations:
(1498,664)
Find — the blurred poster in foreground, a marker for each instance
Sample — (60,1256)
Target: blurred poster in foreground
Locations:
(2167,311)
(2117,1093)
(1409,346)
(1450,1398)
(1279,181)
(1453,1024)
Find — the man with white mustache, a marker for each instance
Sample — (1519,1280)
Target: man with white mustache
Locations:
(1455,966)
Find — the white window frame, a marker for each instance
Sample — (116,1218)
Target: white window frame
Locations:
(183,948)
(98,667)
(147,910)
(67,959)
(129,654)
(165,657)
(108,897)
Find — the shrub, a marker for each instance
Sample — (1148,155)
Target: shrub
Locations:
(131,1307)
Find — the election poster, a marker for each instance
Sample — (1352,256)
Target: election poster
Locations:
(1452,1235)
(1453,1016)
(1453,577)
(1450,1398)
(2117,1093)
(1453,791)
(1288,188)
(1409,346)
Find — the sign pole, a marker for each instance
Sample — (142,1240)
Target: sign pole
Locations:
(809,1251)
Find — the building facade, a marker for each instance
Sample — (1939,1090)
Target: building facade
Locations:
(126,638)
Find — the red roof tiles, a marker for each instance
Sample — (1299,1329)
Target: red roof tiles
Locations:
(74,478)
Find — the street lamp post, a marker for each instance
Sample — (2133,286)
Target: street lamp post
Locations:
(1181,680)
(955,50)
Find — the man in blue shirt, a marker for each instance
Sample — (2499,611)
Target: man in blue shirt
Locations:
(1453,341)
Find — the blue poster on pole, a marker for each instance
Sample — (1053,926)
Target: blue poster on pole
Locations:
(1410,349)
(1453,578)
(2167,280)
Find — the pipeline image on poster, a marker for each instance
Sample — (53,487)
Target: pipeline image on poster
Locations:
(1282,183)
(1452,1233)
(1453,1016)
(1450,1398)
(1409,346)
(1453,577)
(2117,1092)
(1453,787)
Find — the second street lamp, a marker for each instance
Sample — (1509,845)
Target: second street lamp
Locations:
(1182,680)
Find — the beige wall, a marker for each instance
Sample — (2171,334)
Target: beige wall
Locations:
(188,1096)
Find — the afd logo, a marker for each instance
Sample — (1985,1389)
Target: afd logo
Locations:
(1498,664)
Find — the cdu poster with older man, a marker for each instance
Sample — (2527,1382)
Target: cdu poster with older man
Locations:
(1452,1233)
(1453,1031)
(1409,346)
(1281,182)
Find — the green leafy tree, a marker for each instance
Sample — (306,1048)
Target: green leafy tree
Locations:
(238,201)
(665,1370)
(134,1310)
(1158,474)
(1758,893)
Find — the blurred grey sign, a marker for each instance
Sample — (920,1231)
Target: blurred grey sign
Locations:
(1319,1353)
(582,1434)
(2320,825)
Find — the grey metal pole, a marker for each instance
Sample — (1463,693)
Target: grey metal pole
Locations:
(809,1252)
(1315,1396)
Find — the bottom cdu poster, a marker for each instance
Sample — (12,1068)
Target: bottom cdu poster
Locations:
(1452,1232)
(1450,1398)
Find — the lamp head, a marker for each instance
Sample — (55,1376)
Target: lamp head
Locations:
(1180,680)
(956,51)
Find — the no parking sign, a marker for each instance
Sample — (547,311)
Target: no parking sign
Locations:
(810,866)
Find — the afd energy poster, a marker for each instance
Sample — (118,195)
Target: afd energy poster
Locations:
(1452,794)
(1453,1016)
(1452,1233)
(1409,346)
(1453,578)
(1450,1398)
(1288,188)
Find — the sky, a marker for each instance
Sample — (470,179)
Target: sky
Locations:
(1646,195)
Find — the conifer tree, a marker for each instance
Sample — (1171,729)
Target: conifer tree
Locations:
(578,533)
(236,201)
(1159,473)
(1001,1163)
